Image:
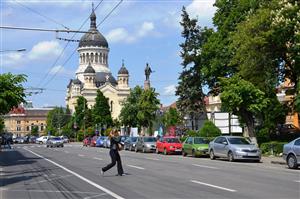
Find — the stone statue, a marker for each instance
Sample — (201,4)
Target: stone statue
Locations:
(148,71)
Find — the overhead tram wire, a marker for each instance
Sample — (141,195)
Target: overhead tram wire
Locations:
(59,56)
(76,49)
(40,14)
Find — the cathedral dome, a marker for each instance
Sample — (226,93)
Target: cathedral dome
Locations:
(95,38)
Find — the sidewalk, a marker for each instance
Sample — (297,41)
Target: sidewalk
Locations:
(273,160)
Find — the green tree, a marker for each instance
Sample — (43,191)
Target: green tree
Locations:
(171,117)
(57,119)
(81,110)
(243,99)
(209,129)
(35,131)
(128,115)
(189,90)
(101,111)
(11,91)
(1,124)
(147,106)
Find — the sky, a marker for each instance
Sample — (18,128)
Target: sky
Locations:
(139,31)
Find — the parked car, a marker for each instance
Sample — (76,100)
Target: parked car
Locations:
(32,139)
(130,143)
(195,146)
(145,144)
(19,140)
(100,141)
(123,138)
(107,142)
(291,153)
(65,139)
(168,144)
(55,142)
(93,141)
(86,141)
(234,148)
(42,139)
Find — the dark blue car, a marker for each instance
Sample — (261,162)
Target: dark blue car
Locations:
(100,141)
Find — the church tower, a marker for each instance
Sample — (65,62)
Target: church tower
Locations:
(123,77)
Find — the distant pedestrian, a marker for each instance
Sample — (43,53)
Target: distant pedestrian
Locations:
(115,142)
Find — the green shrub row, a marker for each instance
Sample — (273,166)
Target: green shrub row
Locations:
(272,148)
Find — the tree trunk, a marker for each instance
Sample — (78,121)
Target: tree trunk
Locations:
(249,120)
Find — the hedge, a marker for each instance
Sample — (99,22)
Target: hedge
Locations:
(272,148)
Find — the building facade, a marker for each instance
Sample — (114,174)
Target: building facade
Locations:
(20,121)
(93,73)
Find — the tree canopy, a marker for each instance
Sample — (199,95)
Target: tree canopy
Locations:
(101,111)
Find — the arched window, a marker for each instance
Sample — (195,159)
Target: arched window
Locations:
(111,106)
(92,57)
(101,58)
(96,58)
(83,58)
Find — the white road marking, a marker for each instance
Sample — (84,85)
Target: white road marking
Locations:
(152,158)
(297,181)
(141,168)
(50,191)
(214,186)
(81,155)
(89,197)
(39,146)
(204,166)
(98,158)
(81,177)
(31,146)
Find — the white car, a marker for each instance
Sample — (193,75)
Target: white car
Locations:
(42,139)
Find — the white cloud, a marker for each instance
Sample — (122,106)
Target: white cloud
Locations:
(45,49)
(122,35)
(10,59)
(60,70)
(170,90)
(203,10)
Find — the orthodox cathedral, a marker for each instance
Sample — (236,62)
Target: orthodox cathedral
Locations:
(93,73)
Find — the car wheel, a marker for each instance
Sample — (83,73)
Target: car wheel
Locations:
(230,156)
(165,152)
(184,153)
(47,146)
(157,151)
(212,155)
(40,142)
(291,161)
(193,153)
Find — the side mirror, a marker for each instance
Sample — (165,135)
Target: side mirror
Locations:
(225,143)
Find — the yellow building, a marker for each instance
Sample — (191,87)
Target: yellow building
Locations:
(21,120)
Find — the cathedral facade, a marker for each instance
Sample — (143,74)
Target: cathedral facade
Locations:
(94,74)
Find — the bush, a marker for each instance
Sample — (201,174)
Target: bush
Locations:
(263,136)
(80,136)
(209,129)
(272,148)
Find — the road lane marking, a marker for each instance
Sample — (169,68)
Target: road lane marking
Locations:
(97,158)
(95,196)
(204,166)
(79,176)
(214,186)
(297,181)
(81,155)
(152,158)
(141,168)
(66,151)
(31,146)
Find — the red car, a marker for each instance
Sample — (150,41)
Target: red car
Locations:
(168,145)
(87,141)
(93,141)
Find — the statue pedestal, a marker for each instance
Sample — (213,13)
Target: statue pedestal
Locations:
(146,84)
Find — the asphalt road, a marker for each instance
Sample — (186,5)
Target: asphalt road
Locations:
(34,171)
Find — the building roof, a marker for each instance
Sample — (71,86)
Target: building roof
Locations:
(76,81)
(123,70)
(103,77)
(89,69)
(95,38)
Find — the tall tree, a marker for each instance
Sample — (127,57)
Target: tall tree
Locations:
(11,91)
(189,90)
(81,111)
(171,117)
(130,108)
(147,106)
(243,99)
(101,111)
(57,119)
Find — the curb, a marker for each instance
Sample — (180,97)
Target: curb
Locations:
(278,162)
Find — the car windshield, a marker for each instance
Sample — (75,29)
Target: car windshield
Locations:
(200,141)
(149,139)
(238,141)
(133,139)
(56,139)
(123,138)
(172,140)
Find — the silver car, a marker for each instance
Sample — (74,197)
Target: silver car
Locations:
(55,142)
(291,153)
(145,144)
(234,148)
